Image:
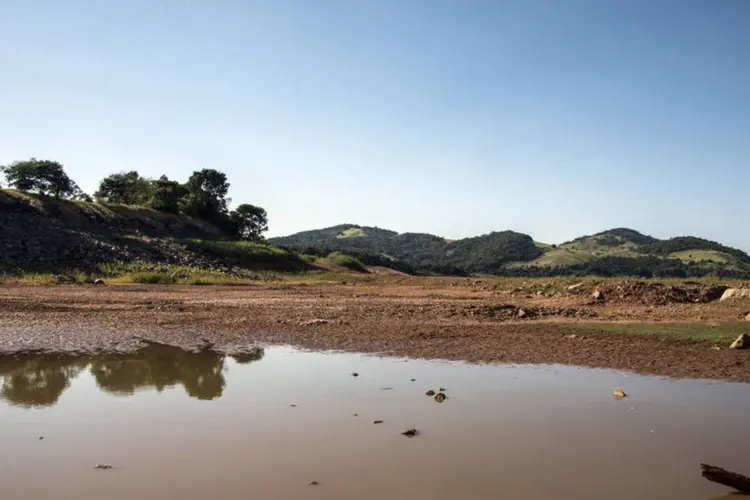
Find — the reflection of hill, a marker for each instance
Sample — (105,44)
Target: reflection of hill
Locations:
(39,381)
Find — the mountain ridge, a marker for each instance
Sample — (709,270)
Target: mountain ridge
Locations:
(617,251)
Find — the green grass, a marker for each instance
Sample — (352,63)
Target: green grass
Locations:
(722,332)
(338,259)
(703,255)
(352,232)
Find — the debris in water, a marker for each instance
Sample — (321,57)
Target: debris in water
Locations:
(413,380)
(430,393)
(102,466)
(440,397)
(314,483)
(355,374)
(41,437)
(619,394)
(355,414)
(377,421)
(722,476)
(410,433)
(293,406)
(386,388)
(442,389)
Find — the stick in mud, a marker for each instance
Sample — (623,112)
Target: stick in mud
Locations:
(732,479)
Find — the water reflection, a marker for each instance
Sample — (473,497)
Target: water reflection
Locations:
(39,381)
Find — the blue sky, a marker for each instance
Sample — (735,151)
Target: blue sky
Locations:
(554,118)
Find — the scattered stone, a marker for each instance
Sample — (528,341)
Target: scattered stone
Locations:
(715,348)
(522,313)
(440,397)
(316,321)
(99,282)
(573,288)
(735,293)
(430,393)
(619,394)
(747,316)
(314,483)
(571,336)
(377,421)
(102,467)
(442,389)
(742,342)
(410,433)
(597,296)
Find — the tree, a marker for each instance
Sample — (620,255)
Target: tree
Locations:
(128,188)
(166,195)
(40,176)
(206,195)
(249,221)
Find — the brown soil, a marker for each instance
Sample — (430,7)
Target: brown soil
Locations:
(446,318)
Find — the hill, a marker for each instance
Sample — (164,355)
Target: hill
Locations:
(41,234)
(616,252)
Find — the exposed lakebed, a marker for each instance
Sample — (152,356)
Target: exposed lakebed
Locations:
(281,423)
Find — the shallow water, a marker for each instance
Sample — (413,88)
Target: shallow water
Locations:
(194,426)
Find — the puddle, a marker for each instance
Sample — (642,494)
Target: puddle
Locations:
(185,425)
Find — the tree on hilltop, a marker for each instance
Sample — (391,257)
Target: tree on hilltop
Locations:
(40,176)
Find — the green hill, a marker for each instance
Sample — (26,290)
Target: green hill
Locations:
(619,251)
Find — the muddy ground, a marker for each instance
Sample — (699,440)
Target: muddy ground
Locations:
(442,318)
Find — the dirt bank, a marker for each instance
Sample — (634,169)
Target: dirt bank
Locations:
(415,317)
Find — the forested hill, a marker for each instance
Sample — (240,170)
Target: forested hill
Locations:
(616,252)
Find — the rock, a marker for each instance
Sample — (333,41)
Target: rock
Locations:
(314,322)
(715,348)
(99,282)
(742,342)
(573,288)
(571,336)
(313,483)
(735,293)
(377,421)
(440,397)
(747,317)
(41,437)
(410,433)
(355,374)
(619,394)
(102,466)
(597,296)
(429,393)
(522,313)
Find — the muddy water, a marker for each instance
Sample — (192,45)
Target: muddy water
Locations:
(194,426)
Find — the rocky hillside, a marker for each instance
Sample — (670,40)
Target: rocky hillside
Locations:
(617,252)
(45,235)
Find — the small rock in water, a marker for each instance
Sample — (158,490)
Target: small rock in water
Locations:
(440,397)
(377,421)
(742,342)
(355,374)
(386,388)
(313,483)
(355,414)
(413,380)
(619,394)
(442,389)
(41,437)
(293,406)
(102,466)
(410,433)
(430,393)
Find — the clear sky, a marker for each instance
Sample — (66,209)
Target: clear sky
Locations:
(554,118)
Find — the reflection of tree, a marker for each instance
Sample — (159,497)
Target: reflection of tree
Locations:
(37,381)
(160,366)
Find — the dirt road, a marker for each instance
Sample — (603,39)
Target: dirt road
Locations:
(416,317)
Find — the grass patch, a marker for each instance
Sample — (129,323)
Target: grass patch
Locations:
(151,278)
(352,232)
(722,332)
(341,260)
